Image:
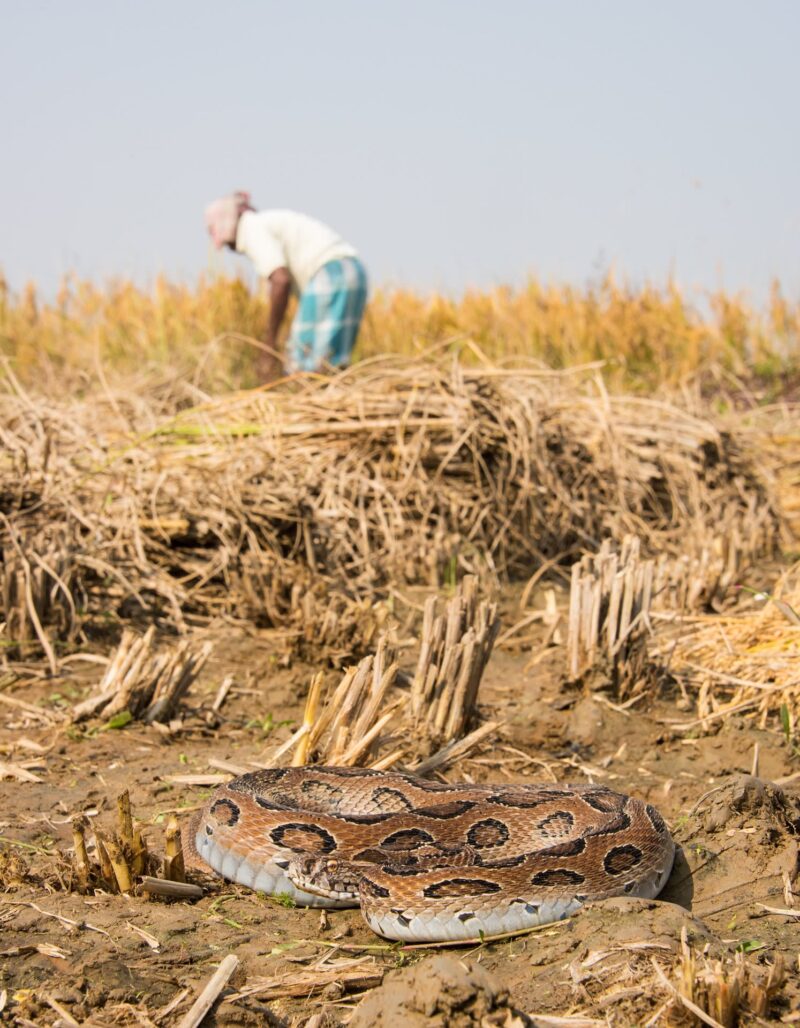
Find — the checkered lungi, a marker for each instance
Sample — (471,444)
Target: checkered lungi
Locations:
(326,324)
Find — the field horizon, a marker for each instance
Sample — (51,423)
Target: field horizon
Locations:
(642,338)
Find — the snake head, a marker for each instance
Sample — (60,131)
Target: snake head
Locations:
(325,876)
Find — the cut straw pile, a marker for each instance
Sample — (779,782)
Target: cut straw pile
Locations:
(615,595)
(139,682)
(368,721)
(397,471)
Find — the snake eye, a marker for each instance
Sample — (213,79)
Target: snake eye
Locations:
(332,865)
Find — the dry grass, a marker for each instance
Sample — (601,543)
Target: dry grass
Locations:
(645,986)
(746,662)
(395,472)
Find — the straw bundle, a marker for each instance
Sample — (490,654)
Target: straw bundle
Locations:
(119,856)
(395,471)
(353,722)
(609,612)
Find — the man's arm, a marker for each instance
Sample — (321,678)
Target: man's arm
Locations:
(270,363)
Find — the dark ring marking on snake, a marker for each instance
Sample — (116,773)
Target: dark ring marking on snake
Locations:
(403,870)
(487,833)
(303,838)
(619,824)
(572,848)
(219,809)
(367,885)
(558,876)
(407,839)
(503,862)
(620,859)
(656,820)
(321,790)
(267,804)
(392,800)
(363,819)
(606,803)
(460,887)
(516,800)
(446,811)
(556,824)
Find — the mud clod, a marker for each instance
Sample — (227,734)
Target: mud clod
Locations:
(754,801)
(442,991)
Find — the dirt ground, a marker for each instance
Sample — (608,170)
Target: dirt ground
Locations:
(114,959)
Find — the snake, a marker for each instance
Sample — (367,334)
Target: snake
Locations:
(429,861)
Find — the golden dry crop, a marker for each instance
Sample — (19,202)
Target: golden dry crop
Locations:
(209,331)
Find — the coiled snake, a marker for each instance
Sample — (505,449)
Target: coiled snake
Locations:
(427,861)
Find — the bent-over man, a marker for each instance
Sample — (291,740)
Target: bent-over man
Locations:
(296,253)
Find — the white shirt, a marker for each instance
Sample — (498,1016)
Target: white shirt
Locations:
(286,239)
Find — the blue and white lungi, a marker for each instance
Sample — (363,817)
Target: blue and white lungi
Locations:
(328,317)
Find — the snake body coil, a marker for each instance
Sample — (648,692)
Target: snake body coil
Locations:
(430,862)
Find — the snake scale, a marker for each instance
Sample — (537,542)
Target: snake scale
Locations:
(427,861)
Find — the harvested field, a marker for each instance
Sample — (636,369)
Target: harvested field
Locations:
(395,473)
(485,573)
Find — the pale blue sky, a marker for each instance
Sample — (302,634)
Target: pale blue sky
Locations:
(455,143)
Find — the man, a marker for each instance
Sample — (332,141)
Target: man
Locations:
(297,254)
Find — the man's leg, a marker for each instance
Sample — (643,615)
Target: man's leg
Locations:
(302,336)
(327,321)
(351,302)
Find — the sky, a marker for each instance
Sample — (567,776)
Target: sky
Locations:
(455,143)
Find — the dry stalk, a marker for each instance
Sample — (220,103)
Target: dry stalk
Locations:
(125,821)
(300,756)
(119,862)
(82,863)
(169,890)
(210,992)
(149,685)
(454,651)
(718,991)
(360,717)
(174,867)
(105,874)
(40,590)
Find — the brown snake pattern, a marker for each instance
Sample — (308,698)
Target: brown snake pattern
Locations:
(427,861)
